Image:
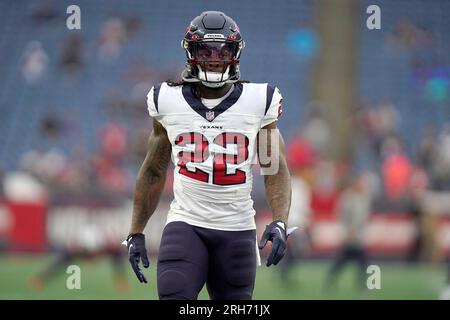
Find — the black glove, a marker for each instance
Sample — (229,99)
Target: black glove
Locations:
(276,233)
(136,250)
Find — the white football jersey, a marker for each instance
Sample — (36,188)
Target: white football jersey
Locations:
(213,150)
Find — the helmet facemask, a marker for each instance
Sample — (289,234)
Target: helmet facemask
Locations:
(214,63)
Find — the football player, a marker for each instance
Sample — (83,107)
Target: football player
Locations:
(210,125)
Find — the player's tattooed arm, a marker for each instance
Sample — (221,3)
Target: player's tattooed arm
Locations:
(278,183)
(151,178)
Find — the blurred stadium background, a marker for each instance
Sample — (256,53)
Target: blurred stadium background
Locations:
(366,120)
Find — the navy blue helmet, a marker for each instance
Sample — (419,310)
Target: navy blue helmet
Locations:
(213,45)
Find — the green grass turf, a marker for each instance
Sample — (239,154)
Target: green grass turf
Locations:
(398,281)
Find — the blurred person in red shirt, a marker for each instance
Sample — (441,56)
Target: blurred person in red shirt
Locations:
(396,170)
(111,175)
(325,193)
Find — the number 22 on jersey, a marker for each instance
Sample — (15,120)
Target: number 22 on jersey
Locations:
(220,159)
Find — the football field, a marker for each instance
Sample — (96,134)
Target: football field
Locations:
(398,281)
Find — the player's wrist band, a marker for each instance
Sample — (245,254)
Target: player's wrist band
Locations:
(138,235)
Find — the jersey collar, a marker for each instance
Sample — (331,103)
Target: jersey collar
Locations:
(210,114)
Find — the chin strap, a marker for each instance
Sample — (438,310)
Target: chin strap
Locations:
(186,75)
(213,79)
(213,84)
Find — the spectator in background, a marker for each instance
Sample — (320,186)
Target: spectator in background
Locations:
(324,193)
(427,150)
(396,170)
(114,141)
(301,158)
(316,129)
(45,167)
(386,122)
(24,186)
(51,127)
(436,201)
(2,177)
(111,175)
(441,165)
(388,118)
(408,36)
(378,122)
(112,37)
(34,62)
(44,12)
(416,191)
(354,210)
(72,54)
(78,176)
(133,26)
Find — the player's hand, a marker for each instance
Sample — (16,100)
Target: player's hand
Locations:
(136,252)
(275,233)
